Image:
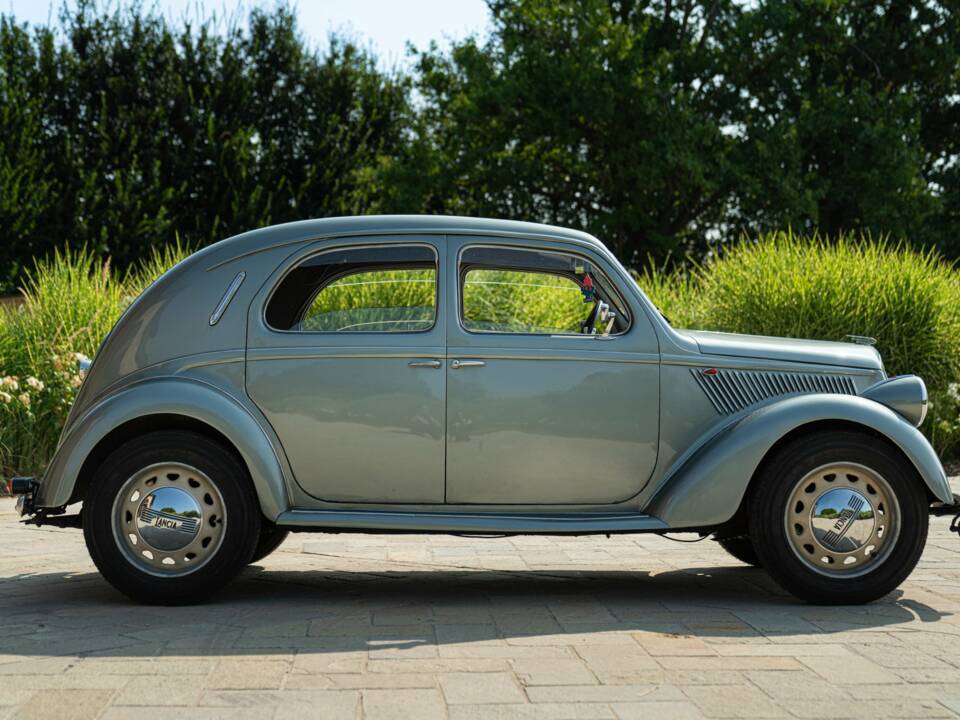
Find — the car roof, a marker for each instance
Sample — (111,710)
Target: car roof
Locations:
(304,230)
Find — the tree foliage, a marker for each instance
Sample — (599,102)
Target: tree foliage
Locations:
(119,131)
(852,119)
(662,126)
(587,114)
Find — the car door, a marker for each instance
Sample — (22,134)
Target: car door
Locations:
(344,358)
(539,413)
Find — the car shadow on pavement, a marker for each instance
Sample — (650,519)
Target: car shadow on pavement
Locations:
(426,613)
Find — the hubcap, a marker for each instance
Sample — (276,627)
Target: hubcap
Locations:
(842,519)
(169,519)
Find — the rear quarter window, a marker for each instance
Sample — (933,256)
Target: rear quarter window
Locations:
(390,288)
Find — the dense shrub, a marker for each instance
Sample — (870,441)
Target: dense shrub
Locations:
(70,303)
(793,286)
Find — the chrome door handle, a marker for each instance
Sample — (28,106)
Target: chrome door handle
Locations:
(457,364)
(435,364)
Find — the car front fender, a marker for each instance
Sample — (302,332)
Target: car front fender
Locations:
(168,396)
(706,486)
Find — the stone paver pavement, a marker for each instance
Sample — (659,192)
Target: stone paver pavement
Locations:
(420,627)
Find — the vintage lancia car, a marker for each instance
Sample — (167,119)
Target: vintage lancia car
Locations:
(466,376)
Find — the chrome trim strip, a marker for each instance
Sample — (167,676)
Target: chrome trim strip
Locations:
(447,522)
(732,362)
(398,351)
(227,297)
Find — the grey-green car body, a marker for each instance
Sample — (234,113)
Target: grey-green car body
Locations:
(653,429)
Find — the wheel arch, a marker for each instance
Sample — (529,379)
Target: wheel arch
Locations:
(166,404)
(707,487)
(141,426)
(809,429)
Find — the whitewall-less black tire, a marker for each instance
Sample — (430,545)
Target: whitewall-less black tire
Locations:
(271,537)
(171,517)
(741,547)
(839,517)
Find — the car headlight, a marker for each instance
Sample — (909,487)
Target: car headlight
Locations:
(905,394)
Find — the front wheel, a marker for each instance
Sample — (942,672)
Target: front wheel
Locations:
(170,518)
(839,517)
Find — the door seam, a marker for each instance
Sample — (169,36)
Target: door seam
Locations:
(446,361)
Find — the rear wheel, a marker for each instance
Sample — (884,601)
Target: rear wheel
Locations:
(741,547)
(171,517)
(839,517)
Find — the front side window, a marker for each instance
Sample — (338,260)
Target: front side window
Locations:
(368,289)
(508,290)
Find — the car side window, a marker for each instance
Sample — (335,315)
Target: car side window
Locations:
(384,289)
(509,290)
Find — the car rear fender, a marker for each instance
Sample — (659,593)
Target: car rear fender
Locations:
(706,487)
(188,398)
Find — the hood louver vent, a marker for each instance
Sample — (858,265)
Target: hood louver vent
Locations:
(731,391)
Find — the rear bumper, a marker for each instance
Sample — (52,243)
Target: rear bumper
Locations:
(25,490)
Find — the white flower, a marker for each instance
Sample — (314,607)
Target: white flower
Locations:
(5,397)
(34,384)
(953,390)
(10,383)
(76,381)
(24,399)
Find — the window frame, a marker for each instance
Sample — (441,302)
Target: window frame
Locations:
(461,277)
(339,276)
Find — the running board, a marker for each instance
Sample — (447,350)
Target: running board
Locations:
(481,523)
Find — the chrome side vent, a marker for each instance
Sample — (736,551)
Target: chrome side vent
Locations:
(731,391)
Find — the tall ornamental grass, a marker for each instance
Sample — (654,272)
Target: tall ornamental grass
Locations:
(70,302)
(788,285)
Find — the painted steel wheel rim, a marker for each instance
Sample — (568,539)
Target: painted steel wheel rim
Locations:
(169,519)
(842,520)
